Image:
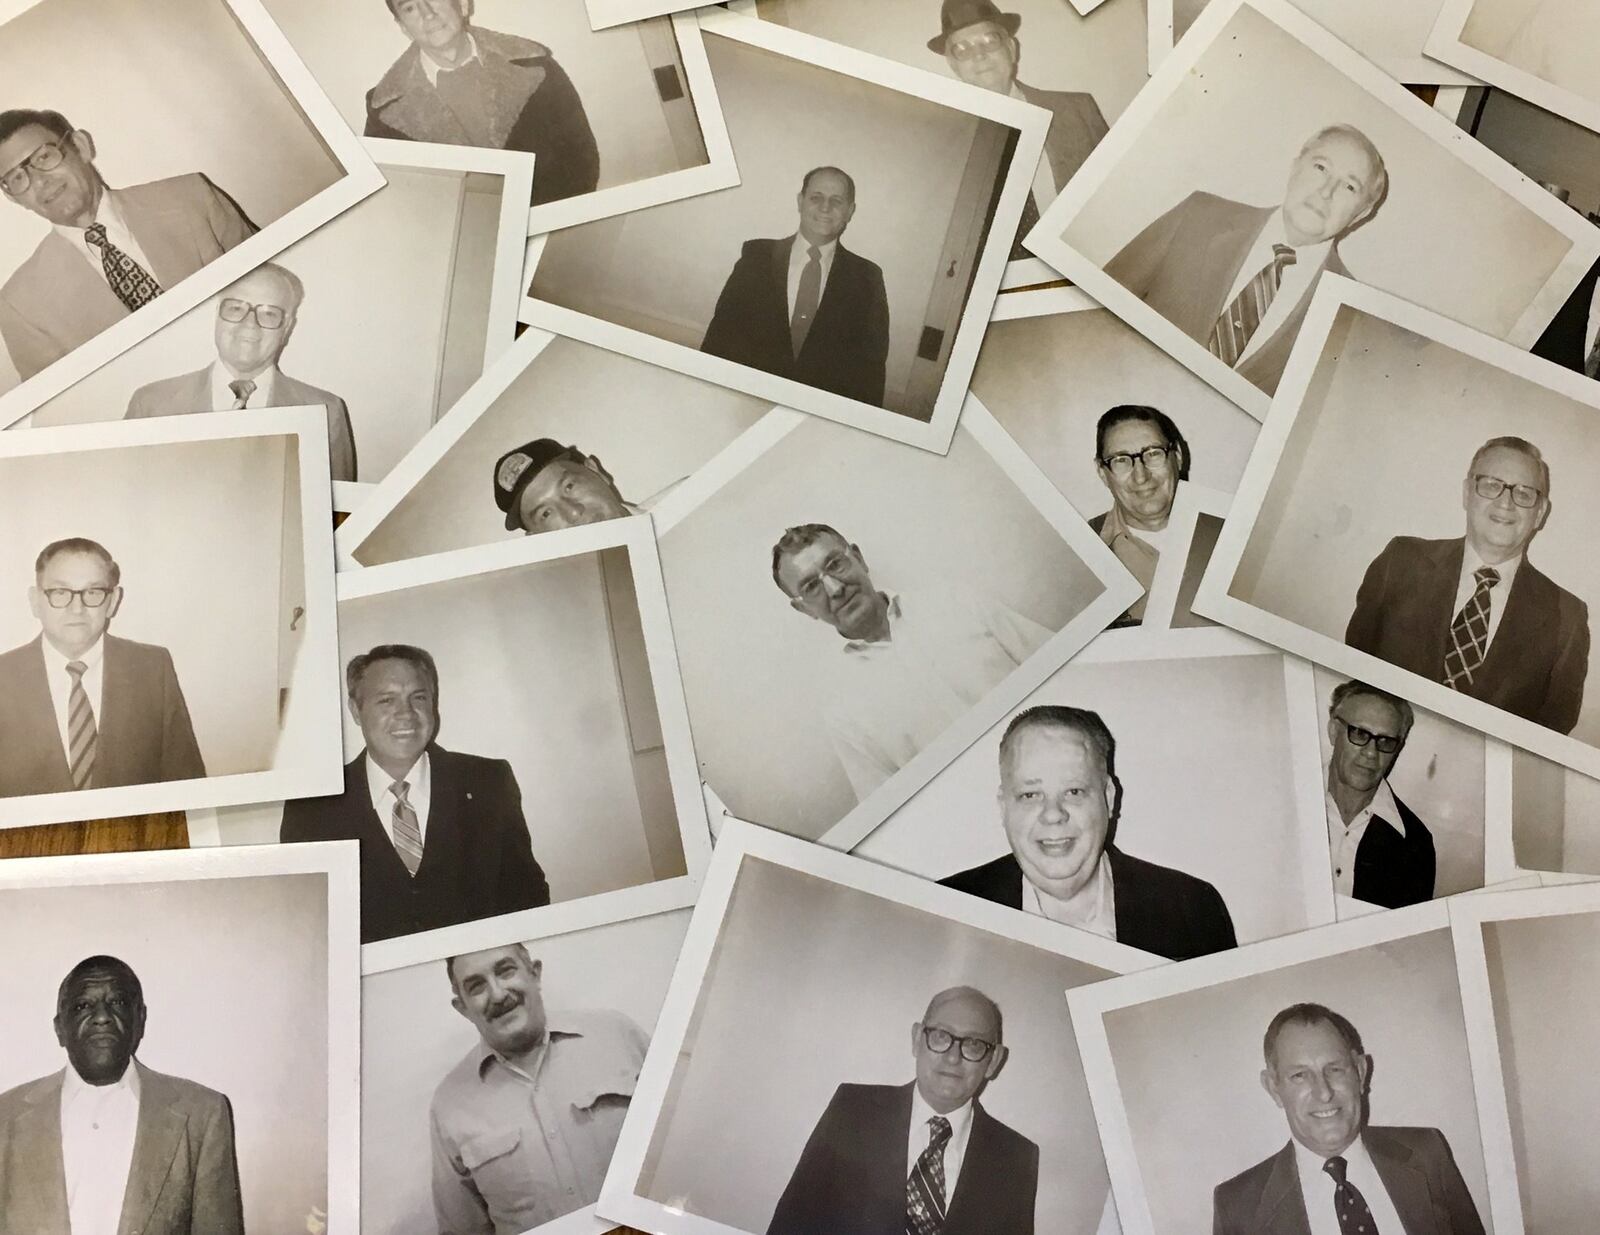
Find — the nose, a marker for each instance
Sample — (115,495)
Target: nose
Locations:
(833,587)
(1503,501)
(1054,811)
(1322,1092)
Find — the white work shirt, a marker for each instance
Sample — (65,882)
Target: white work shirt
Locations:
(1467,585)
(799,255)
(1295,286)
(1045,187)
(98,1127)
(1316,1188)
(955,1149)
(222,396)
(419,793)
(1344,840)
(109,214)
(431,68)
(94,678)
(1093,909)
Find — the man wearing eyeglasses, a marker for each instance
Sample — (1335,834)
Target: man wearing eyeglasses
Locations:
(1381,852)
(922,1157)
(1140,456)
(1473,612)
(85,709)
(255,317)
(109,251)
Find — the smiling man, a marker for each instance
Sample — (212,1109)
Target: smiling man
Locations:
(1140,456)
(543,486)
(442,835)
(925,1156)
(1239,278)
(1338,1175)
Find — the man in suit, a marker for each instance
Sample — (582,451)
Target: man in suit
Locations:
(805,307)
(442,835)
(106,1144)
(85,709)
(461,85)
(1060,802)
(109,251)
(1140,456)
(923,1157)
(543,486)
(1238,279)
(255,317)
(981,46)
(1338,1174)
(1572,339)
(1381,851)
(1474,612)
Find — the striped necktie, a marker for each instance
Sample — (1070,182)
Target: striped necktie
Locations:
(1232,333)
(134,285)
(925,1198)
(407,832)
(1469,633)
(82,735)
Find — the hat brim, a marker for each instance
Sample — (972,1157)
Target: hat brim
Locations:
(1011,21)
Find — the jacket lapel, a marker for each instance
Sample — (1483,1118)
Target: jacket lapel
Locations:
(155,1145)
(1223,258)
(1282,1210)
(34,699)
(1527,610)
(67,297)
(409,104)
(966,1207)
(163,233)
(117,721)
(1435,592)
(888,1200)
(837,293)
(1407,1186)
(37,1199)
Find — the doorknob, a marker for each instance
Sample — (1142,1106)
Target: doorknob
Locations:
(294,622)
(951,273)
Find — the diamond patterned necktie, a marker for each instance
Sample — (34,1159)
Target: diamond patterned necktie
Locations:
(1232,333)
(806,299)
(133,284)
(1354,1216)
(242,389)
(407,833)
(1469,633)
(925,1199)
(82,735)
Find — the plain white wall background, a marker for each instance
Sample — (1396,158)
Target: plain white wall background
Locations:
(750,662)
(1375,28)
(1545,147)
(411,1037)
(1555,816)
(1189,1068)
(235,977)
(1385,434)
(794,1005)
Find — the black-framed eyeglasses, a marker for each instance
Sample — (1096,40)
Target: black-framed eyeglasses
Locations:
(1491,487)
(46,158)
(268,316)
(92,597)
(1154,458)
(980,45)
(941,1040)
(1388,743)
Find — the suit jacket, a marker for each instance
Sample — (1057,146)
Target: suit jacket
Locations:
(1565,339)
(144,732)
(848,342)
(477,860)
(1395,861)
(183,1179)
(56,301)
(524,79)
(1185,263)
(1538,660)
(851,1177)
(177,396)
(1158,910)
(1415,1164)
(1076,127)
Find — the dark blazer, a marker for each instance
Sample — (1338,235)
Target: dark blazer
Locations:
(183,1179)
(1415,1164)
(144,733)
(851,1177)
(1184,265)
(1395,864)
(1540,655)
(477,860)
(1565,339)
(1159,910)
(848,342)
(1076,127)
(56,301)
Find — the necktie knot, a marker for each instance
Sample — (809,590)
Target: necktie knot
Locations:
(814,253)
(242,389)
(938,1132)
(400,788)
(1284,255)
(77,669)
(95,234)
(1336,1167)
(1486,576)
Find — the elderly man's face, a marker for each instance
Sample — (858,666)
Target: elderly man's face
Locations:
(247,347)
(1144,493)
(948,1081)
(68,193)
(569,492)
(1056,803)
(826,208)
(1362,768)
(498,991)
(1332,186)
(100,1021)
(396,709)
(77,627)
(1497,528)
(1320,1083)
(983,54)
(433,24)
(828,580)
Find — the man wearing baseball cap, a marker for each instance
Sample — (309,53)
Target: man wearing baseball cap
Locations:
(543,486)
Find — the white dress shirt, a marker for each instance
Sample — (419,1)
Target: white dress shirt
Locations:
(1295,286)
(431,68)
(98,1127)
(955,1149)
(108,213)
(222,396)
(419,793)
(1094,908)
(1467,585)
(94,678)
(1344,839)
(1316,1188)
(799,255)
(1045,187)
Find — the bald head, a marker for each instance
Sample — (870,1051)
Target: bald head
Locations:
(970,1002)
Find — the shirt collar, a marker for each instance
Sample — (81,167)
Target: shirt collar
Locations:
(960,1118)
(1470,562)
(556,1025)
(1312,256)
(108,213)
(431,68)
(56,662)
(74,1086)
(858,647)
(221,375)
(1090,902)
(417,777)
(1382,805)
(1310,1164)
(825,252)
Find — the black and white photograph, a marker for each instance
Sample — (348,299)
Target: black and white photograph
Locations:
(182,1042)
(427,327)
(167,638)
(1195,522)
(558,434)
(844,1047)
(1545,818)
(1321,1082)
(615,119)
(1469,597)
(1541,50)
(851,614)
(1160,789)
(852,271)
(147,159)
(1266,154)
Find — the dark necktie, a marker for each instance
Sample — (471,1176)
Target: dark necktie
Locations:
(82,736)
(806,299)
(925,1199)
(133,284)
(1232,333)
(1469,633)
(1591,364)
(1030,216)
(1354,1216)
(242,389)
(407,832)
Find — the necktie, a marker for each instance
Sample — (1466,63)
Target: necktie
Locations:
(1469,633)
(805,300)
(242,389)
(1354,1216)
(1030,217)
(407,832)
(82,736)
(925,1199)
(133,284)
(1231,335)
(1591,364)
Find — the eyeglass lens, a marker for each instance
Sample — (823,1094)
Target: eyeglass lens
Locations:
(1387,743)
(941,1040)
(268,316)
(1150,456)
(46,158)
(92,597)
(1491,487)
(967,49)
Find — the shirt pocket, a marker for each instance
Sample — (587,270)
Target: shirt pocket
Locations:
(498,1168)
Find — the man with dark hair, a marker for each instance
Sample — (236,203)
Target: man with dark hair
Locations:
(543,486)
(442,835)
(1060,803)
(107,1144)
(1338,1175)
(1140,457)
(109,251)
(85,709)
(461,85)
(1473,612)
(805,307)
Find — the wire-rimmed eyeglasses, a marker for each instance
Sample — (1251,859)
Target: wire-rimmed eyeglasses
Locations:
(268,316)
(1491,487)
(1388,743)
(978,45)
(1153,458)
(92,597)
(45,159)
(941,1040)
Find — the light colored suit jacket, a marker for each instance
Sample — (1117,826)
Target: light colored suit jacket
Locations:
(178,396)
(183,1179)
(56,301)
